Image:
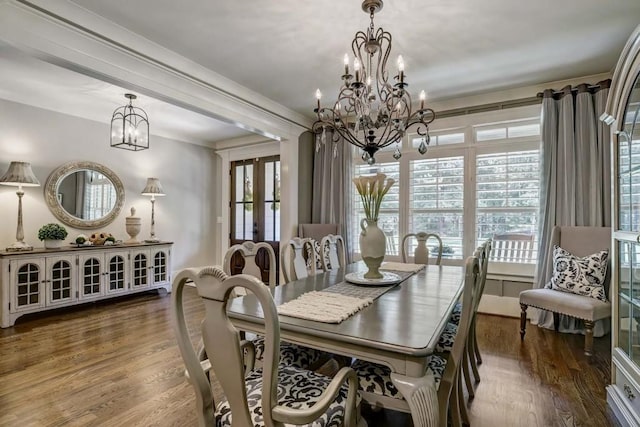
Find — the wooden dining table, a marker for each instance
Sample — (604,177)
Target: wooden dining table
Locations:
(400,329)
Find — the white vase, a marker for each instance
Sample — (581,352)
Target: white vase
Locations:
(52,244)
(373,245)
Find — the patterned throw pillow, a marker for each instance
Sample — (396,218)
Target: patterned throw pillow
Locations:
(582,276)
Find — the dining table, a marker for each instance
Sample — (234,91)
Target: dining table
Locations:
(400,329)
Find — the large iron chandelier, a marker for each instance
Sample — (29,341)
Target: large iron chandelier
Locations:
(371,112)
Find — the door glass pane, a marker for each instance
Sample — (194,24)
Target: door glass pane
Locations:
(625,298)
(272,201)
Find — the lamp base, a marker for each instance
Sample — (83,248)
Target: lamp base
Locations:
(152,240)
(19,246)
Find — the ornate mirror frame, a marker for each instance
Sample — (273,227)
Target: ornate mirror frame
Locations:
(51,198)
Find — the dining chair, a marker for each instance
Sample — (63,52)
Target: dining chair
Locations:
(272,395)
(375,380)
(336,257)
(472,357)
(294,266)
(292,354)
(421,253)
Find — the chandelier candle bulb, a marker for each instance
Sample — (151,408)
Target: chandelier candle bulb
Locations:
(423,97)
(318,97)
(346,64)
(356,68)
(401,68)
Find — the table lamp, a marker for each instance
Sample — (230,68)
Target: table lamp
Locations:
(153,189)
(20,175)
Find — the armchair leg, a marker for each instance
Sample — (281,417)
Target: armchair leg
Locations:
(556,321)
(523,320)
(588,337)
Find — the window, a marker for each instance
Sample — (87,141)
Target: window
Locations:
(480,178)
(507,191)
(436,200)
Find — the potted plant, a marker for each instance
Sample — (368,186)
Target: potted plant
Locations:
(53,235)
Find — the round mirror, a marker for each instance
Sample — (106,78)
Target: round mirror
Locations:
(84,194)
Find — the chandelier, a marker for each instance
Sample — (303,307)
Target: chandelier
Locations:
(372,112)
(130,127)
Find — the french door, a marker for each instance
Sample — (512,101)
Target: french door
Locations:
(255,209)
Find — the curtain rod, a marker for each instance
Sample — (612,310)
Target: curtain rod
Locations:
(585,87)
(503,105)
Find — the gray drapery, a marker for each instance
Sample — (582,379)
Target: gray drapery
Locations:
(331,200)
(576,176)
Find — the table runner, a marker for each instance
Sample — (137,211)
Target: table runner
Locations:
(337,302)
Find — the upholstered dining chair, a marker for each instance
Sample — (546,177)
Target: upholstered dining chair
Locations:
(272,395)
(291,354)
(294,266)
(421,253)
(375,380)
(579,241)
(336,255)
(472,357)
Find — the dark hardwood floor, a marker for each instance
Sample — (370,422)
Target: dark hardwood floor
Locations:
(116,364)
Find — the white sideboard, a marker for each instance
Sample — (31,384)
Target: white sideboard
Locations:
(44,279)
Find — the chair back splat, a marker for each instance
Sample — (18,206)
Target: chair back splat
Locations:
(336,256)
(248,251)
(294,265)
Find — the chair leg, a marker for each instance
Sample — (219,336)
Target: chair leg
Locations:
(523,320)
(476,349)
(588,337)
(474,366)
(465,372)
(454,403)
(556,321)
(461,403)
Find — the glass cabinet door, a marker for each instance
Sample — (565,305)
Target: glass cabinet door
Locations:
(629,299)
(629,164)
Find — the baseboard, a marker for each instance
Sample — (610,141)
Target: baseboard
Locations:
(501,306)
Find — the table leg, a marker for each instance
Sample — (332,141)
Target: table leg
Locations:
(421,395)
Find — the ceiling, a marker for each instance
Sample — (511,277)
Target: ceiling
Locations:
(286,49)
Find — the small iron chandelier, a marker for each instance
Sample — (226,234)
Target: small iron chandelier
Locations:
(130,127)
(371,112)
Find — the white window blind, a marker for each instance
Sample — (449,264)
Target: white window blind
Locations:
(507,199)
(436,200)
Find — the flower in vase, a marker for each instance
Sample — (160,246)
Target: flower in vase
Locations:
(372,189)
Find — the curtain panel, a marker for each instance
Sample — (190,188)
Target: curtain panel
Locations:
(331,200)
(576,176)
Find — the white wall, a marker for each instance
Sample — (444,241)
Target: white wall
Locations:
(47,140)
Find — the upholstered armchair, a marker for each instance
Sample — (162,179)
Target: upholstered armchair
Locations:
(579,241)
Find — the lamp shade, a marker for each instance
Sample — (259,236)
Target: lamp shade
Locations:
(20,174)
(153,188)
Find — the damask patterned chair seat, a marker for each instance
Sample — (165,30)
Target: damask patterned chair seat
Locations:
(297,389)
(375,378)
(455,315)
(445,343)
(293,354)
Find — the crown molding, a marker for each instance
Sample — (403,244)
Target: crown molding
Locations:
(64,34)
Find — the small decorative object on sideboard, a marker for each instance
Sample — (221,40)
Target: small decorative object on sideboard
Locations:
(102,238)
(82,240)
(53,235)
(372,189)
(133,225)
